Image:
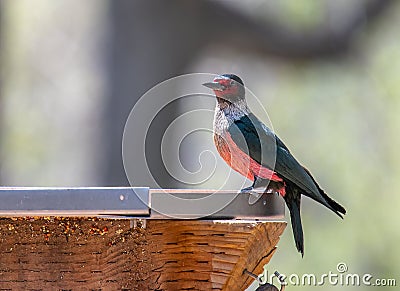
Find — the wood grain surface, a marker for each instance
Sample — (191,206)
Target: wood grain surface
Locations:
(100,254)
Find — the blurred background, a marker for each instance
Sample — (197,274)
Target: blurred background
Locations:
(326,70)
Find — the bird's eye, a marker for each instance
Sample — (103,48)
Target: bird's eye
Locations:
(232,83)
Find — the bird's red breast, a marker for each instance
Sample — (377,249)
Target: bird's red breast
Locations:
(240,161)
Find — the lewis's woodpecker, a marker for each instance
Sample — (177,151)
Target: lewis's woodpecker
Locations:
(252,149)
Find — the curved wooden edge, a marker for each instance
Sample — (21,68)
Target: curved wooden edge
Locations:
(260,248)
(212,255)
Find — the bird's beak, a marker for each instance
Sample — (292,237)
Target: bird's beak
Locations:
(214,85)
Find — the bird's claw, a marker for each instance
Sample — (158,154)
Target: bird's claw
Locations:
(253,194)
(246,190)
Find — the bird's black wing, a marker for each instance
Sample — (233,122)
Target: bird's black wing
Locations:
(262,145)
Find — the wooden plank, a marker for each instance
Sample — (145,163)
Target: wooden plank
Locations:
(101,254)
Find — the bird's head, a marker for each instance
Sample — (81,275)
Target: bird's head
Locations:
(228,88)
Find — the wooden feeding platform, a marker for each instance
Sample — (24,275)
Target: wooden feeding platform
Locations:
(134,238)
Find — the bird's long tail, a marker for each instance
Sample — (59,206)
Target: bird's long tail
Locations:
(327,201)
(334,206)
(292,199)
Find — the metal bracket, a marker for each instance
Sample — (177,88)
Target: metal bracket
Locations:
(137,202)
(211,204)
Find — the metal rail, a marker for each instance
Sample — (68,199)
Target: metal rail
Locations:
(137,202)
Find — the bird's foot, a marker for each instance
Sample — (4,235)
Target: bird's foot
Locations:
(246,190)
(254,194)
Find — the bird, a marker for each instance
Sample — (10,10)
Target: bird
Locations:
(252,149)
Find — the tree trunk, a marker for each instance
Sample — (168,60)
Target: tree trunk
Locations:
(149,43)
